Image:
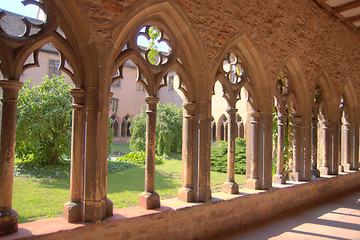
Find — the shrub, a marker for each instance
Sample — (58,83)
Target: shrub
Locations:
(44,121)
(138,158)
(168,130)
(219,156)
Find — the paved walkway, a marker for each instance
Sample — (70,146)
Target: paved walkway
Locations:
(337,218)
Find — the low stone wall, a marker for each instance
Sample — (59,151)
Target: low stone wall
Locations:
(178,220)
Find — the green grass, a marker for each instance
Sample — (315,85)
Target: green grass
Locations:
(123,147)
(36,198)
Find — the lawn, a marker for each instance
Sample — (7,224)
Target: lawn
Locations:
(40,197)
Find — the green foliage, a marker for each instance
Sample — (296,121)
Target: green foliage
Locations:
(138,159)
(44,121)
(110,136)
(219,156)
(168,130)
(154,37)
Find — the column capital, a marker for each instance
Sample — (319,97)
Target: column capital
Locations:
(10,89)
(152,101)
(231,110)
(190,107)
(78,95)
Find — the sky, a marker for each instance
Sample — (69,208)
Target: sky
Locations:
(16,6)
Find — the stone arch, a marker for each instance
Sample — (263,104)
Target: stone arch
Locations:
(171,18)
(301,95)
(221,128)
(329,98)
(260,88)
(351,101)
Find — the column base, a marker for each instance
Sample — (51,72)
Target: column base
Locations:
(230,188)
(347,166)
(149,200)
(72,212)
(8,221)
(324,171)
(109,207)
(252,183)
(279,179)
(341,168)
(295,176)
(186,195)
(315,173)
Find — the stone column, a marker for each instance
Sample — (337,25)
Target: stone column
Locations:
(204,145)
(326,128)
(314,142)
(241,129)
(230,186)
(279,177)
(334,165)
(150,199)
(298,149)
(306,176)
(356,148)
(72,210)
(266,175)
(8,217)
(226,130)
(253,154)
(187,192)
(347,145)
(340,149)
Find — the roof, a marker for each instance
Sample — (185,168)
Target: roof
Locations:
(346,10)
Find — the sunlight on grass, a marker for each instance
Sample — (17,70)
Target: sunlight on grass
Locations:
(36,198)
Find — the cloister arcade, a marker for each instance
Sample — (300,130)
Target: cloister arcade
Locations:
(100,36)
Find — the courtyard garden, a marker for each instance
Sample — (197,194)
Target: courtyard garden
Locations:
(40,191)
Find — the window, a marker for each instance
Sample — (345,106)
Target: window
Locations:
(116,84)
(54,68)
(170,83)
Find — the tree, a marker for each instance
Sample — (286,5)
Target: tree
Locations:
(43,130)
(168,130)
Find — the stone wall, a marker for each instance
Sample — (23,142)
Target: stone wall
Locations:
(179,220)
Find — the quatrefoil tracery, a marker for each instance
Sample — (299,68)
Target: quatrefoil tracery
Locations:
(153,45)
(31,27)
(233,68)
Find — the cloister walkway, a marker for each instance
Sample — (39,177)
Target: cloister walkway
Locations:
(337,218)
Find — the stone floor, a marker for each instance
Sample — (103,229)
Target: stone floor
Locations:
(337,218)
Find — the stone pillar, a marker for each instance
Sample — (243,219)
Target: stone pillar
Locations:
(266,174)
(72,210)
(334,165)
(314,142)
(241,130)
(95,205)
(226,130)
(326,128)
(230,186)
(347,145)
(253,154)
(150,199)
(8,217)
(306,173)
(356,148)
(204,145)
(187,192)
(340,149)
(298,150)
(279,177)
